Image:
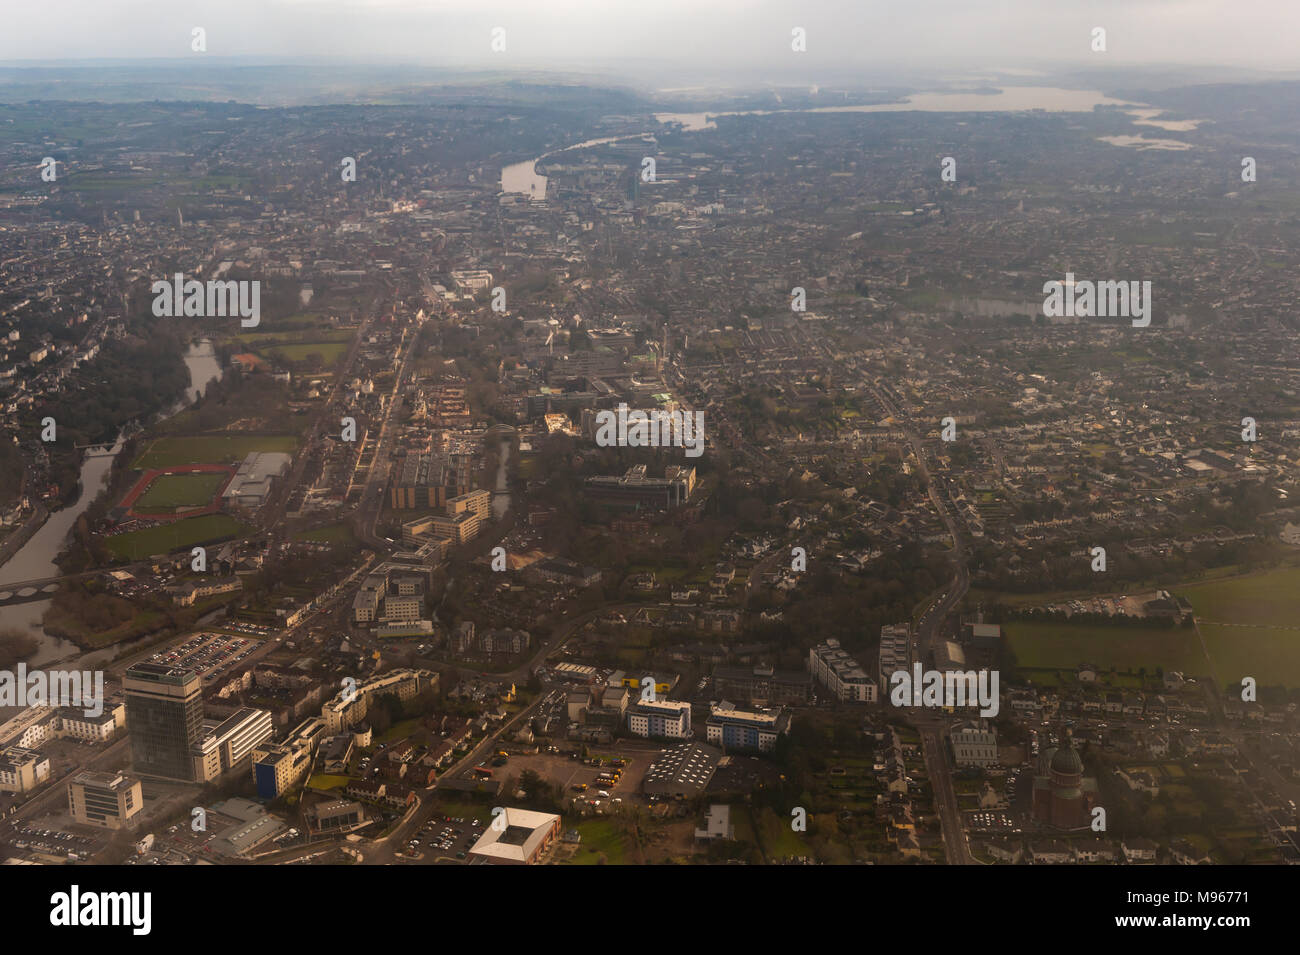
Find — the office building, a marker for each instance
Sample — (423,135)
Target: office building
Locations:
(278,767)
(522,840)
(164,714)
(108,800)
(22,770)
(228,745)
(635,491)
(478,503)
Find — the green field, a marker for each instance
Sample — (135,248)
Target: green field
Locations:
(211,449)
(1065,646)
(172,491)
(330,352)
(1269,654)
(177,535)
(330,534)
(600,836)
(1267,599)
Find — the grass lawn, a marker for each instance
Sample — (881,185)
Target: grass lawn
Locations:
(1266,598)
(1053,645)
(327,781)
(778,839)
(177,535)
(332,534)
(171,491)
(1270,655)
(211,449)
(328,351)
(399,730)
(599,836)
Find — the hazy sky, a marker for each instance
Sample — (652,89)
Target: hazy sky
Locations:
(750,33)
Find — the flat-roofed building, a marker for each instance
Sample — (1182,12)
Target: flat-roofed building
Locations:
(459,528)
(975,743)
(108,800)
(634,490)
(164,714)
(840,673)
(895,650)
(75,723)
(516,837)
(365,606)
(662,718)
(228,745)
(755,730)
(278,767)
(762,685)
(22,770)
(339,814)
(349,707)
(398,609)
(478,503)
(251,485)
(681,772)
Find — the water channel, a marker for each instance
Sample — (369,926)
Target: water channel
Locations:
(36,558)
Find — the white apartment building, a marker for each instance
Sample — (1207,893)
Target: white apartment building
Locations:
(975,744)
(663,718)
(840,673)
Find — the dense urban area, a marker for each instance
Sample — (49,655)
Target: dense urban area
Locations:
(378,567)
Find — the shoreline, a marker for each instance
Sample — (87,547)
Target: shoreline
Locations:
(17,540)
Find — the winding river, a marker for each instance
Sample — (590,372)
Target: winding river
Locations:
(36,558)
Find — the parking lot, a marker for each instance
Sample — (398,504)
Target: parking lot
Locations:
(32,838)
(444,838)
(581,782)
(212,654)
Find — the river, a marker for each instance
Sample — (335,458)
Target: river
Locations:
(36,558)
(523,177)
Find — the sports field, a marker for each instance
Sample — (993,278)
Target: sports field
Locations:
(211,449)
(1065,646)
(177,535)
(171,492)
(1269,654)
(1270,599)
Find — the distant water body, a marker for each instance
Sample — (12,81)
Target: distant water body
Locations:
(522,178)
(1050,99)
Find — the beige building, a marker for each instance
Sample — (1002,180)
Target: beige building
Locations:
(229,745)
(516,837)
(478,503)
(22,770)
(350,705)
(108,800)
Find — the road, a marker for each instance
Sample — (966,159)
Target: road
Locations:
(956,846)
(931,728)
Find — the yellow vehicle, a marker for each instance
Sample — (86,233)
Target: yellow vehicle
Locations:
(502,752)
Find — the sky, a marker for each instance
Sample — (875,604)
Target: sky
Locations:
(749,34)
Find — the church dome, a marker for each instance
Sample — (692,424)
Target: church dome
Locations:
(1066,760)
